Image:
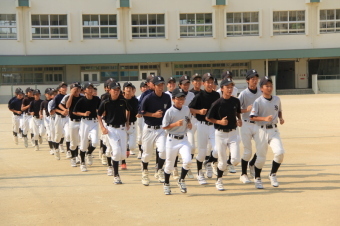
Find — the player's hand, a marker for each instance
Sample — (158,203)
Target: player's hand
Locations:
(74,90)
(65,113)
(239,122)
(189,125)
(104,130)
(139,115)
(158,114)
(87,113)
(203,111)
(127,154)
(269,118)
(19,112)
(249,108)
(224,121)
(180,122)
(282,121)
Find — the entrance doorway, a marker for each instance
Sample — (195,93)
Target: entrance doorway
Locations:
(144,74)
(285,73)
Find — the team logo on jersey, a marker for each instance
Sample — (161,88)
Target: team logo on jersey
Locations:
(276,108)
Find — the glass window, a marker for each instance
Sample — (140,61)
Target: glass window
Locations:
(148,26)
(288,22)
(99,26)
(242,24)
(49,26)
(329,21)
(8,29)
(196,25)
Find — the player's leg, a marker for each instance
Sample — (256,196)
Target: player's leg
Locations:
(210,159)
(202,140)
(117,152)
(67,136)
(160,144)
(185,151)
(171,154)
(261,141)
(94,137)
(132,132)
(147,146)
(35,127)
(221,148)
(277,147)
(25,128)
(42,130)
(84,130)
(246,137)
(140,125)
(16,124)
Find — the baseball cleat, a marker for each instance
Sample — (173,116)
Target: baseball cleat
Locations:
(182,186)
(208,169)
(40,140)
(145,178)
(36,148)
(132,153)
(139,155)
(244,179)
(57,154)
(117,180)
(51,152)
(161,176)
(231,169)
(123,166)
(219,184)
(175,174)
(252,171)
(83,167)
(110,171)
(214,167)
(190,175)
(61,148)
(167,189)
(89,160)
(273,180)
(104,160)
(200,178)
(73,162)
(258,183)
(68,155)
(25,142)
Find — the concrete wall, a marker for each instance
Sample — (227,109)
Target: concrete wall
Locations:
(329,86)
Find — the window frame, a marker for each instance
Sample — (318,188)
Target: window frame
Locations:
(10,27)
(195,25)
(335,21)
(288,22)
(99,26)
(50,27)
(242,24)
(148,26)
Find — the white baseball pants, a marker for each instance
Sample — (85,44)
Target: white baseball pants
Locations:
(151,138)
(59,124)
(173,147)
(131,136)
(88,130)
(16,123)
(26,124)
(74,128)
(191,134)
(38,128)
(247,132)
(140,125)
(205,134)
(116,138)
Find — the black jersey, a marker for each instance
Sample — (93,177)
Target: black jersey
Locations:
(57,100)
(115,111)
(225,107)
(203,100)
(15,105)
(44,106)
(104,96)
(35,107)
(74,102)
(133,102)
(195,91)
(26,101)
(9,102)
(83,105)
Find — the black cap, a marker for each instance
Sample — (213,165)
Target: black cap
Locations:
(47,90)
(264,80)
(150,77)
(178,93)
(62,84)
(36,91)
(215,81)
(158,80)
(29,89)
(75,84)
(195,76)
(227,74)
(114,85)
(107,82)
(184,79)
(207,76)
(171,79)
(226,82)
(52,91)
(87,84)
(142,84)
(127,84)
(251,73)
(18,90)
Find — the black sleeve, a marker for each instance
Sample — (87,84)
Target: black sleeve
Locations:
(30,108)
(98,102)
(10,106)
(195,103)
(213,111)
(101,108)
(77,107)
(238,106)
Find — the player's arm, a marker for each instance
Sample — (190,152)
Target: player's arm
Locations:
(30,108)
(281,118)
(23,107)
(13,110)
(100,113)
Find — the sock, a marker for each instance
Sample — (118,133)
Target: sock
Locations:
(82,156)
(123,161)
(145,165)
(115,168)
(160,163)
(24,135)
(32,135)
(252,162)
(275,167)
(207,157)
(199,166)
(56,145)
(68,145)
(90,149)
(175,165)
(14,134)
(109,161)
(219,173)
(257,172)
(20,131)
(229,162)
(166,178)
(104,149)
(192,156)
(101,144)
(244,165)
(50,144)
(211,158)
(61,141)
(36,142)
(157,156)
(183,173)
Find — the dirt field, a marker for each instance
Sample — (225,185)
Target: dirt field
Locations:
(36,189)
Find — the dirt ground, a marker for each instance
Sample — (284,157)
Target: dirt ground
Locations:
(36,189)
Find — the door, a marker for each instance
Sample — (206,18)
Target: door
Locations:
(285,73)
(144,74)
(90,76)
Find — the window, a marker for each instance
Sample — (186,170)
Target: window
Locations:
(196,25)
(8,26)
(242,24)
(49,27)
(99,26)
(148,25)
(288,22)
(330,21)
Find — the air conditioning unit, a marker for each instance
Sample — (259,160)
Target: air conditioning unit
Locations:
(313,1)
(123,3)
(20,3)
(219,2)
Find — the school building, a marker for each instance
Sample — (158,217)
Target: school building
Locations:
(44,42)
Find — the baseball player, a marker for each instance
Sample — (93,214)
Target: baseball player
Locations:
(140,121)
(15,107)
(52,115)
(200,105)
(87,107)
(37,122)
(197,83)
(131,132)
(176,121)
(153,108)
(116,110)
(46,116)
(171,85)
(249,128)
(26,121)
(267,112)
(223,114)
(74,121)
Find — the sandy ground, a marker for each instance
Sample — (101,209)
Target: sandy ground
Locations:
(36,189)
